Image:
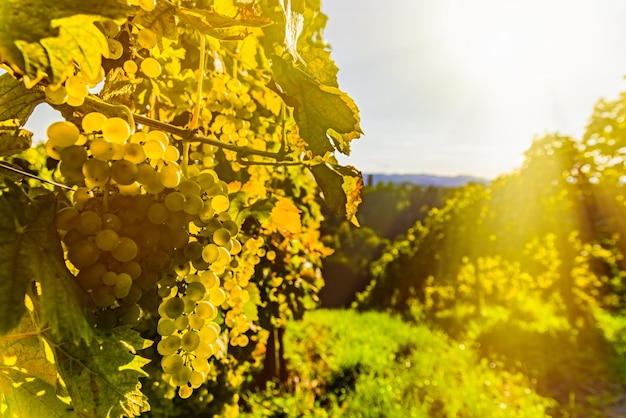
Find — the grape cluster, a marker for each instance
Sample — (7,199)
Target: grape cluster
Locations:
(139,225)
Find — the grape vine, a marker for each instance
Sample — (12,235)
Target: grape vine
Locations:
(176,205)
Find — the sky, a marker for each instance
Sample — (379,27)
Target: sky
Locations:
(453,87)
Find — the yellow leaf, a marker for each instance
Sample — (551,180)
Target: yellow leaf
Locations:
(286,216)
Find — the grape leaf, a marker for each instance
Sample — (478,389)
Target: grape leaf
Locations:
(102,378)
(30,250)
(23,350)
(161,20)
(13,139)
(79,40)
(25,23)
(294,24)
(285,216)
(28,396)
(16,101)
(219,26)
(28,379)
(319,110)
(341,187)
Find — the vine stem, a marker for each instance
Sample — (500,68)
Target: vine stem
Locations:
(9,167)
(22,335)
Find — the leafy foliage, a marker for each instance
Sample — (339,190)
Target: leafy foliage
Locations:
(212,81)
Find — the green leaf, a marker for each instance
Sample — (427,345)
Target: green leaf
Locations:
(30,250)
(294,25)
(341,187)
(219,26)
(319,110)
(16,101)
(28,396)
(103,378)
(25,23)
(161,20)
(79,40)
(23,350)
(13,140)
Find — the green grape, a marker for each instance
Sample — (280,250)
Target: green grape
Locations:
(195,321)
(92,122)
(75,101)
(181,323)
(210,253)
(154,149)
(116,50)
(171,364)
(209,279)
(224,256)
(221,237)
(130,315)
(193,205)
(116,130)
(130,67)
(189,188)
(66,218)
(134,153)
(147,5)
(165,327)
(157,213)
(111,221)
(89,223)
(217,296)
(53,151)
(121,291)
(171,153)
(124,280)
(109,28)
(91,277)
(157,135)
(151,67)
(190,341)
(146,174)
(170,175)
(220,203)
(231,226)
(109,278)
(209,334)
(174,201)
(63,134)
(174,307)
(132,268)
(206,180)
(103,296)
(146,38)
(56,95)
(206,310)
(236,247)
(76,86)
(185,391)
(206,213)
(169,345)
(126,250)
(124,172)
(107,240)
(102,149)
(195,380)
(73,156)
(149,235)
(195,291)
(193,250)
(96,171)
(182,377)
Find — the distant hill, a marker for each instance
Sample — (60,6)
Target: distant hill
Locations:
(424,180)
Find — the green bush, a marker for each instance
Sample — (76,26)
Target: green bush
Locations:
(343,363)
